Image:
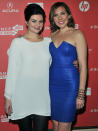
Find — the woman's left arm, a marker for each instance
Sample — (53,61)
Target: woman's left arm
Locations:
(81,47)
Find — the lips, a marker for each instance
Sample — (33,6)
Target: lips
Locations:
(60,22)
(37,28)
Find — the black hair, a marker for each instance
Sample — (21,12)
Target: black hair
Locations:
(34,9)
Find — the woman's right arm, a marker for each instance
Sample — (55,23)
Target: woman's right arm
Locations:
(13,56)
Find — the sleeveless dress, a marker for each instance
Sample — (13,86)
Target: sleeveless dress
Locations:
(64,82)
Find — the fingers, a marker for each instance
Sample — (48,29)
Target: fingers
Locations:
(10,110)
(76,64)
(79,104)
(8,107)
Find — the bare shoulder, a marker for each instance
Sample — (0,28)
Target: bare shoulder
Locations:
(79,37)
(78,34)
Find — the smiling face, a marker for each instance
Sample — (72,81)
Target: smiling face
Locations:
(60,17)
(35,24)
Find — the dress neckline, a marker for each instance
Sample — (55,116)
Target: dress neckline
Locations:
(33,41)
(62,44)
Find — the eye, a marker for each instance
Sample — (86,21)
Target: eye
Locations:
(63,13)
(33,21)
(41,21)
(55,15)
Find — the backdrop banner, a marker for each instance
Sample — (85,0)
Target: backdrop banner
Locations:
(12,24)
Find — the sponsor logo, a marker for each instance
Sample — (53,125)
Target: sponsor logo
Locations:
(76,26)
(3,118)
(3,75)
(41,4)
(88,92)
(11,30)
(94,27)
(93,69)
(84,6)
(9,5)
(10,8)
(47,28)
(90,50)
(94,110)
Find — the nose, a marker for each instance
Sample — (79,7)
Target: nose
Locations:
(38,23)
(59,17)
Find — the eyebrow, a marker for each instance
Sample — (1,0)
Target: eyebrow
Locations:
(36,19)
(33,19)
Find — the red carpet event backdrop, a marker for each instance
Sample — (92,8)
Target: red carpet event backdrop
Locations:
(12,24)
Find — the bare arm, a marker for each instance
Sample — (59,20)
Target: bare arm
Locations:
(81,47)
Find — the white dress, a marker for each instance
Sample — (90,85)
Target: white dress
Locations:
(27,84)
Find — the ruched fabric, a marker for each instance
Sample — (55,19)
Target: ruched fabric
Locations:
(64,82)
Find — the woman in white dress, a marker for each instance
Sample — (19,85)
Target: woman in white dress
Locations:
(27,85)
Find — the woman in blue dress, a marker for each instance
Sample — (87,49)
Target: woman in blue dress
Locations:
(67,84)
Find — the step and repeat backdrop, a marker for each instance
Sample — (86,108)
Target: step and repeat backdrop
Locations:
(12,24)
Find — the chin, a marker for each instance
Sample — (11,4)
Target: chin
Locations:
(61,25)
(37,32)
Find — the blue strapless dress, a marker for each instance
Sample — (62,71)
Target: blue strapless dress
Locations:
(64,82)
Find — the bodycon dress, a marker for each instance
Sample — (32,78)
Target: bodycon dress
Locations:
(64,82)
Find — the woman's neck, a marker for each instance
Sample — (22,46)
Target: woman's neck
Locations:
(66,30)
(33,36)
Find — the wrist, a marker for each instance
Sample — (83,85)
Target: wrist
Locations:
(81,94)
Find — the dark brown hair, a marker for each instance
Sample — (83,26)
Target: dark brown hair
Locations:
(34,9)
(53,26)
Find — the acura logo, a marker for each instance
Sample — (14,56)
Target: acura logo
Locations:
(10,5)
